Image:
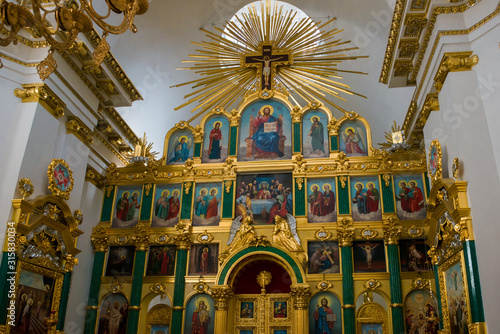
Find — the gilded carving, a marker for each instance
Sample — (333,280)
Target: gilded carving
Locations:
(263,279)
(414,23)
(229,167)
(162,238)
(201,286)
(372,284)
(300,294)
(198,134)
(60,178)
(324,285)
(183,236)
(157,287)
(343,180)
(109,189)
(25,187)
(420,283)
(402,67)
(188,172)
(431,104)
(40,92)
(205,237)
(392,231)
(235,118)
(387,179)
(296,114)
(455,169)
(221,295)
(333,127)
(342,163)
(187,187)
(299,165)
(115,286)
(322,234)
(300,182)
(99,238)
(414,231)
(368,233)
(75,126)
(94,177)
(408,48)
(147,188)
(345,232)
(397,19)
(453,62)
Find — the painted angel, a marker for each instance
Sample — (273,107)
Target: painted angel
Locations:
(354,141)
(180,149)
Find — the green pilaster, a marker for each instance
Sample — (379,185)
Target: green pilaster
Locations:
(197,150)
(343,195)
(427,184)
(228,201)
(438,294)
(348,290)
(135,295)
(396,292)
(64,300)
(300,198)
(233,140)
(7,276)
(334,143)
(93,301)
(296,138)
(107,205)
(146,203)
(179,287)
(187,199)
(475,296)
(388,196)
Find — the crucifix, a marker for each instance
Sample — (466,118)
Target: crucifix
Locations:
(265,62)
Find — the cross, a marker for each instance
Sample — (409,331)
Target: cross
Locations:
(265,63)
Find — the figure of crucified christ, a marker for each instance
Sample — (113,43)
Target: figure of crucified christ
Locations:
(266,70)
(368,249)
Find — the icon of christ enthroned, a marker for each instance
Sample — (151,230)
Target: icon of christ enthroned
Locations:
(265,137)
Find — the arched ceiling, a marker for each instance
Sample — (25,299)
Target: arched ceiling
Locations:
(150,58)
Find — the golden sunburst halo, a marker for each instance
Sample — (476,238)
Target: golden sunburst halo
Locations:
(271,48)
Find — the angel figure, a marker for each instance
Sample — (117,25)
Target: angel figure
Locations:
(241,233)
(285,233)
(180,150)
(354,144)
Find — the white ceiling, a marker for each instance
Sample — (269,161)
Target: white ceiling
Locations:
(150,58)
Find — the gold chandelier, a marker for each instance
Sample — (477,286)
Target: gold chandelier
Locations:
(60,21)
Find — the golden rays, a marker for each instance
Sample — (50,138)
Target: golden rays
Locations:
(301,60)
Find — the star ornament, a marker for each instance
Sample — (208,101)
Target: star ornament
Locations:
(269,50)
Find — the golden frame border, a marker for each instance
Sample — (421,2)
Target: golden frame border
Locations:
(382,319)
(58,284)
(442,268)
(439,166)
(52,184)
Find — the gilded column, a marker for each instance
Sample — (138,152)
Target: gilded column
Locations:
(296,129)
(99,239)
(70,263)
(345,235)
(392,233)
(141,240)
(300,296)
(221,295)
(183,241)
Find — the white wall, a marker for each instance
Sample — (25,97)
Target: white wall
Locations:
(467,127)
